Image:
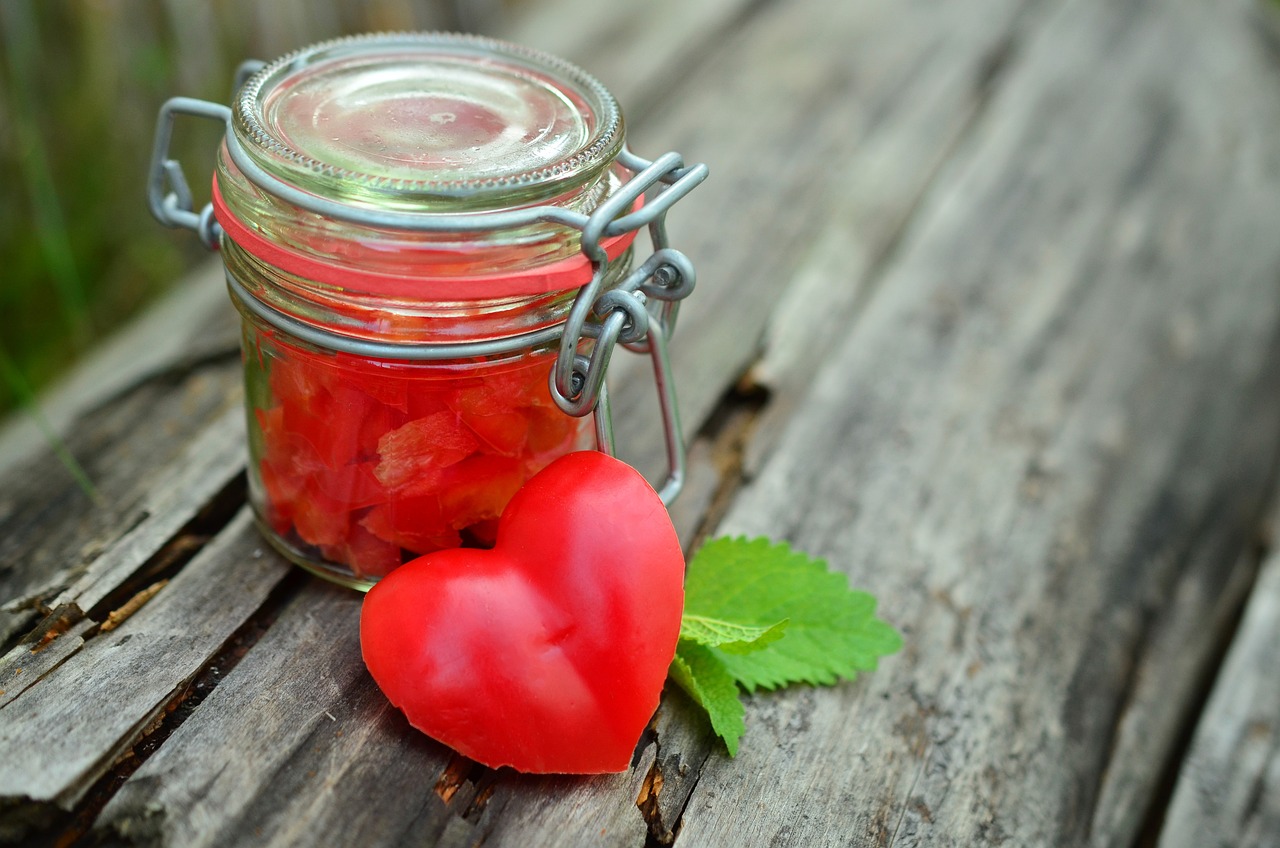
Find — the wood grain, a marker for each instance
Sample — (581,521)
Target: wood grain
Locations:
(826,124)
(641,52)
(1045,447)
(782,283)
(41,652)
(62,734)
(1228,790)
(343,762)
(1007,274)
(214,457)
(156,456)
(306,745)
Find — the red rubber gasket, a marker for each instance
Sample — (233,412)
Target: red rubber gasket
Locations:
(562,275)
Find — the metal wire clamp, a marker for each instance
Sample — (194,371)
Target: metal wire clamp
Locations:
(639,312)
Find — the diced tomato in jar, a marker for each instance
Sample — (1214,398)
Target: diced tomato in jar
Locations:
(373,463)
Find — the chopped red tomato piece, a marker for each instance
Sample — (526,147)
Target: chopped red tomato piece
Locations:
(415,523)
(369,462)
(422,446)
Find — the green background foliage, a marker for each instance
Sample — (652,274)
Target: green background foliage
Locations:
(80,84)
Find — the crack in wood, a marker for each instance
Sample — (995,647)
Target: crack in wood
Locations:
(54,640)
(72,828)
(56,625)
(470,783)
(651,787)
(172,556)
(1125,699)
(41,603)
(119,616)
(455,774)
(647,801)
(1219,629)
(909,802)
(667,836)
(728,430)
(994,64)
(671,776)
(1235,582)
(195,493)
(484,791)
(1153,820)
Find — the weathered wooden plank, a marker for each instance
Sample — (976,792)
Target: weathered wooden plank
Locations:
(615,810)
(342,761)
(191,324)
(906,133)
(587,808)
(514,810)
(305,744)
(778,106)
(779,280)
(1126,397)
(1179,649)
(155,455)
(1228,790)
(639,51)
(1044,447)
(165,499)
(39,654)
(188,485)
(62,734)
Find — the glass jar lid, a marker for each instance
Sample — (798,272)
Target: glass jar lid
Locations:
(434,122)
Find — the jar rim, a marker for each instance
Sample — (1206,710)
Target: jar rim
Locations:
(434,121)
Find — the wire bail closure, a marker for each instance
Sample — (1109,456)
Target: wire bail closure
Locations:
(639,312)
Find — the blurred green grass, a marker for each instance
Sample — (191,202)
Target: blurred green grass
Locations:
(80,84)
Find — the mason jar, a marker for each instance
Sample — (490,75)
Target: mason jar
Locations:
(430,239)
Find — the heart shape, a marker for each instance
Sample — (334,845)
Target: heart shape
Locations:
(548,652)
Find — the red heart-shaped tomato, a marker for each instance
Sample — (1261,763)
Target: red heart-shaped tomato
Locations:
(548,652)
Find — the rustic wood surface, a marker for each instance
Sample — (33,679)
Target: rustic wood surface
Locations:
(987,316)
(1228,791)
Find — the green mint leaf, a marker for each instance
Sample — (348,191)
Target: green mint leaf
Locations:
(730,636)
(705,679)
(832,632)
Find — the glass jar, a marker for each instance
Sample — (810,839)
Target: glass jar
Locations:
(430,240)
